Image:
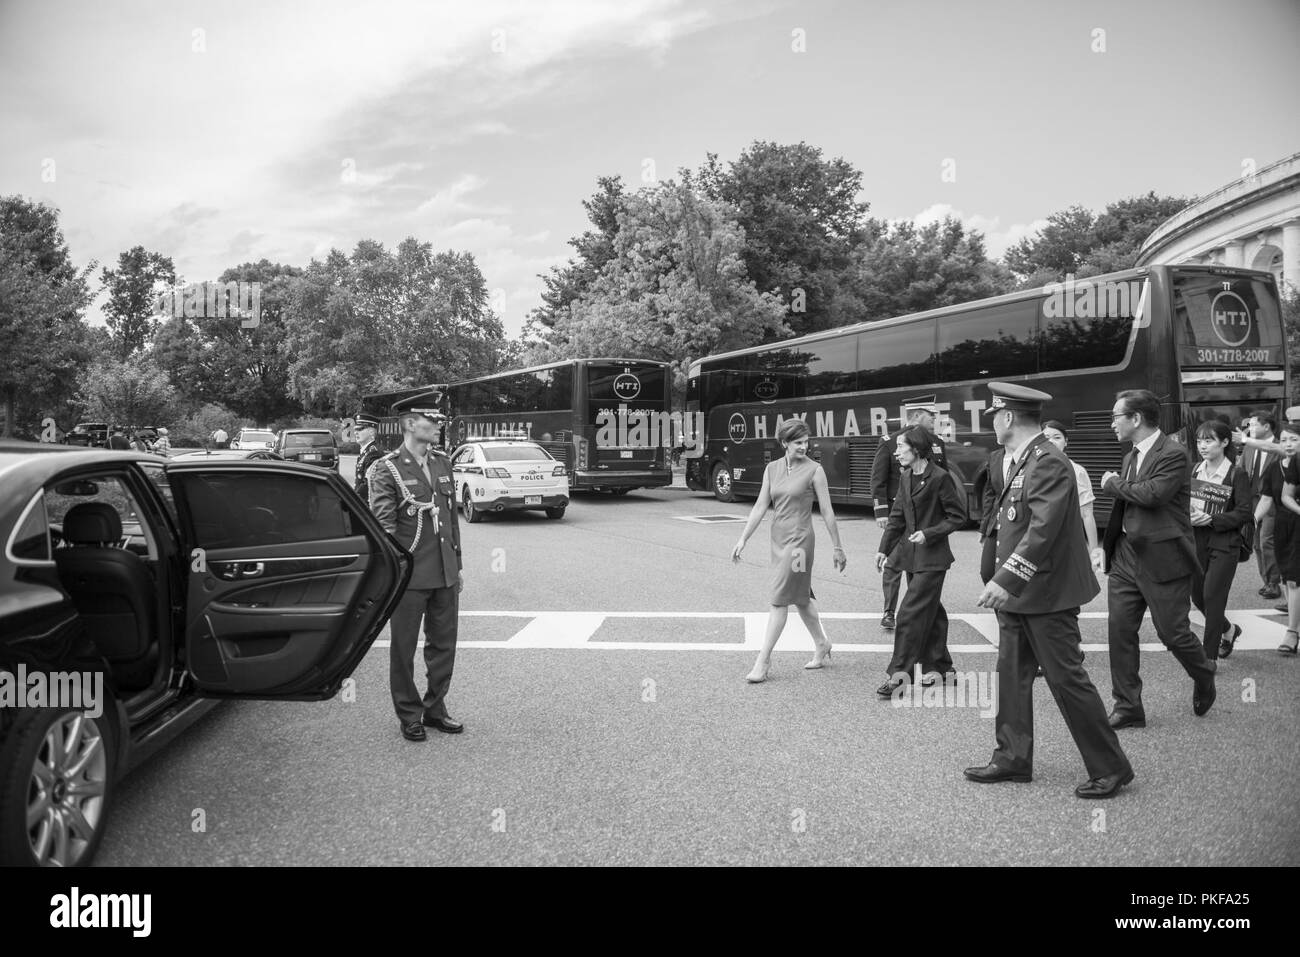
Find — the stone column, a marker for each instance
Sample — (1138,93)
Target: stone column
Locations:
(1234,253)
(1291,253)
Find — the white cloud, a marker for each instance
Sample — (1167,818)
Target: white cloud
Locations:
(997,238)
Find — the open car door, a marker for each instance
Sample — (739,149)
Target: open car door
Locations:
(290,578)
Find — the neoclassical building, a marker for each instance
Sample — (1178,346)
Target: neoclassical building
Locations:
(1253,222)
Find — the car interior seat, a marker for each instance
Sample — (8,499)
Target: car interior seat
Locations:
(112,589)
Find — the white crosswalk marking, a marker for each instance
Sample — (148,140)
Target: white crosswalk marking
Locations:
(1261,630)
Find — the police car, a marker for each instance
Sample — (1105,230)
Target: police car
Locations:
(498,475)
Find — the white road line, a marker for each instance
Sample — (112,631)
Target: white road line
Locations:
(575,629)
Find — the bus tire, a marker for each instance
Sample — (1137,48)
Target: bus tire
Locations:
(723,490)
(472,514)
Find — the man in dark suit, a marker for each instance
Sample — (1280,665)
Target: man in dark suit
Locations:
(1150,552)
(885,476)
(1042,579)
(988,488)
(413,496)
(367,428)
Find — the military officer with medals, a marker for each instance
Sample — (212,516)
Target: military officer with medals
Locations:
(367,428)
(1043,575)
(413,496)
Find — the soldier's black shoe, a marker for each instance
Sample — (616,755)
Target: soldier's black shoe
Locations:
(1106,787)
(447,725)
(1203,695)
(995,774)
(1120,721)
(414,732)
(888,622)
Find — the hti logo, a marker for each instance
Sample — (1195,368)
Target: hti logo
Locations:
(1230,319)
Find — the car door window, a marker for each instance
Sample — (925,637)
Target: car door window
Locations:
(62,495)
(233,509)
(158,476)
(31,539)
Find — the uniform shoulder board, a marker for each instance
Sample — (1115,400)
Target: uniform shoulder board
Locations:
(439,452)
(393,454)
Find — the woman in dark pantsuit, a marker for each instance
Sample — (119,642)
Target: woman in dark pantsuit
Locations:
(1283,483)
(1216,527)
(929,507)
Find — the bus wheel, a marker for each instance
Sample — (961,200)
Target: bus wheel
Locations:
(472,515)
(722,489)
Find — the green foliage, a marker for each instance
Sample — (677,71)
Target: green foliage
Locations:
(44,342)
(379,321)
(133,291)
(130,391)
(802,222)
(675,288)
(906,268)
(1079,242)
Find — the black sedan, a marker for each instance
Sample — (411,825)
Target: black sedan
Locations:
(135,591)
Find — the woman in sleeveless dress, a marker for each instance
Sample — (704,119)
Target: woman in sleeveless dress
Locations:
(790,484)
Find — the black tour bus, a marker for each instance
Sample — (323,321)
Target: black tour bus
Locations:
(602,418)
(1208,340)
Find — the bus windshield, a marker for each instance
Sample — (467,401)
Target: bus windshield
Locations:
(1226,320)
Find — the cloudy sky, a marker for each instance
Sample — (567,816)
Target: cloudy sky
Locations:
(219,132)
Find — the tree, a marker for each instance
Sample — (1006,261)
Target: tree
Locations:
(129,392)
(802,222)
(675,289)
(908,269)
(569,282)
(133,291)
(43,338)
(222,360)
(1075,241)
(379,321)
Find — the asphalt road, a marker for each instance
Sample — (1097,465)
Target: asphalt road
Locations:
(632,738)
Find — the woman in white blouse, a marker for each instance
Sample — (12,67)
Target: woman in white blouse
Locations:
(1055,433)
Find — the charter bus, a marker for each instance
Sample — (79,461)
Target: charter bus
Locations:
(389,434)
(567,408)
(1208,340)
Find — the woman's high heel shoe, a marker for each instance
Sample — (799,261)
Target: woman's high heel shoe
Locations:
(1289,643)
(820,660)
(759,674)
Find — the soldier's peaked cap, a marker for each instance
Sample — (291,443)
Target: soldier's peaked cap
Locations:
(365,420)
(425,404)
(1015,398)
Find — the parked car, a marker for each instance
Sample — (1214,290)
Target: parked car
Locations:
(88,434)
(311,446)
(495,475)
(251,455)
(179,583)
(254,439)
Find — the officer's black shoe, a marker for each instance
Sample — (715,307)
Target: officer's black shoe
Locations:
(447,725)
(887,622)
(995,774)
(1203,695)
(414,732)
(1106,787)
(1119,721)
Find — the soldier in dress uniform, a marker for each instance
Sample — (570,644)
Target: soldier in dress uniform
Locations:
(1043,576)
(367,427)
(413,496)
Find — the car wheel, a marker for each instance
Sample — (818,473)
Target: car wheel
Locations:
(722,487)
(58,773)
(555,512)
(472,514)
